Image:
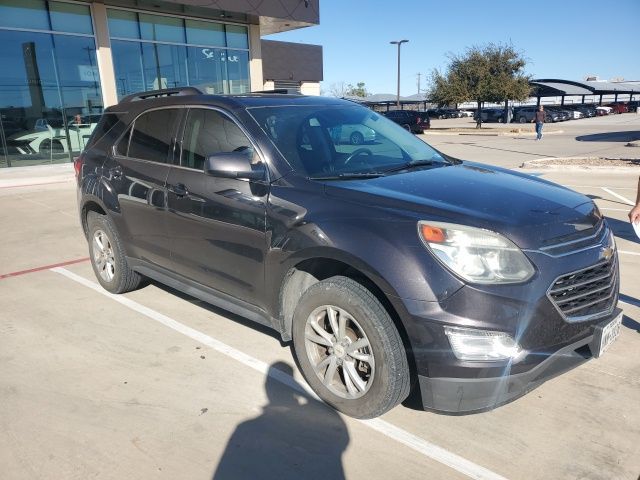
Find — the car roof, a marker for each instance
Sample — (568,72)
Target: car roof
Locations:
(230,102)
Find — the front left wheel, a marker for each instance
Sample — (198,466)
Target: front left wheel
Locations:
(348,348)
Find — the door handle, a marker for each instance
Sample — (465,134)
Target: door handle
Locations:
(179,190)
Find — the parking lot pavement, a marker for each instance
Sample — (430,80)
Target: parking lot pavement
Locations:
(154,383)
(588,137)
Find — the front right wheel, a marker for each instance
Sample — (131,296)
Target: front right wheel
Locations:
(348,348)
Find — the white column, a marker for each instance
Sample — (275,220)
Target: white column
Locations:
(105,61)
(255,59)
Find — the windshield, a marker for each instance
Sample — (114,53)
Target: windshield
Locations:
(341,141)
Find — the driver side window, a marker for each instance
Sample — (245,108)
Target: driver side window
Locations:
(208,132)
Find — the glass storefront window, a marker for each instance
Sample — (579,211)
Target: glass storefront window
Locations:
(237,36)
(173,52)
(161,28)
(24,14)
(70,17)
(123,24)
(50,98)
(205,33)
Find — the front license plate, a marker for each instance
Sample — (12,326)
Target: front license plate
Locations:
(609,334)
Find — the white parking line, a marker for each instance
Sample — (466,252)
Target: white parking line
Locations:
(628,253)
(617,195)
(414,442)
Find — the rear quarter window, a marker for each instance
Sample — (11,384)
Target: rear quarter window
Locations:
(109,124)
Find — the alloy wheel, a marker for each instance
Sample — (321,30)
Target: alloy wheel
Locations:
(339,352)
(103,256)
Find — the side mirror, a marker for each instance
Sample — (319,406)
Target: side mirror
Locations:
(234,165)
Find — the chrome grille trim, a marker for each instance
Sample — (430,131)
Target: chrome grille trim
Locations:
(598,238)
(561,296)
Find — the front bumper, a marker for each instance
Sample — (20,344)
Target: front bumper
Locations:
(457,396)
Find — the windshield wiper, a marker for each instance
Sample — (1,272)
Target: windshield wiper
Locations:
(413,164)
(349,176)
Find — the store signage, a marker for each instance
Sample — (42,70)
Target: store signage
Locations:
(209,54)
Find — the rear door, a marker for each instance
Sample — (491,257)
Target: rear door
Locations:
(217,225)
(141,164)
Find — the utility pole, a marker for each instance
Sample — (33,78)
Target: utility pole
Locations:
(399,43)
(419,75)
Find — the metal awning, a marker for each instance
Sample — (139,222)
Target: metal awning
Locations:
(556,87)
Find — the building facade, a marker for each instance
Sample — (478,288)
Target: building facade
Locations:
(64,61)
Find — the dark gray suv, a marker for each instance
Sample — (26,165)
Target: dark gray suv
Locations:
(392,268)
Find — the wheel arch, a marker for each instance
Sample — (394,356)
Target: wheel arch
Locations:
(307,272)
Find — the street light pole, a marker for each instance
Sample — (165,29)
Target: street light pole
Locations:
(399,43)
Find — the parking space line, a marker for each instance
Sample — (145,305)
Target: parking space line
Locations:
(45,267)
(428,449)
(35,184)
(626,252)
(618,196)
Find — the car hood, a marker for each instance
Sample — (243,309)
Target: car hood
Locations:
(526,209)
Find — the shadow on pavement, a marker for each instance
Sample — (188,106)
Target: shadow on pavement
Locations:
(623,229)
(294,438)
(626,136)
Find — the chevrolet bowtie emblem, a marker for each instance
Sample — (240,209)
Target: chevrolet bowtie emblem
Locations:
(606,253)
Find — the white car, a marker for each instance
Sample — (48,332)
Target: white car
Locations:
(353,134)
(46,139)
(603,110)
(466,113)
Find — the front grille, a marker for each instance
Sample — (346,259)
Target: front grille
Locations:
(587,293)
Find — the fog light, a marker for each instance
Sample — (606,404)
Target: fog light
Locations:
(471,344)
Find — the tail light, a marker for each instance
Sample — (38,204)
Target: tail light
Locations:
(77,165)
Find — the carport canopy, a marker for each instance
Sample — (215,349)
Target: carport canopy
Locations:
(556,87)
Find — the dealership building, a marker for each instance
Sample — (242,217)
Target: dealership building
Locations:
(64,61)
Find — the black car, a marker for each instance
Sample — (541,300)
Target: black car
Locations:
(414,121)
(391,267)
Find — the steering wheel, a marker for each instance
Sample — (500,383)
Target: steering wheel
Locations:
(357,152)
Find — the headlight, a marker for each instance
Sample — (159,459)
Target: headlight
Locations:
(477,255)
(478,345)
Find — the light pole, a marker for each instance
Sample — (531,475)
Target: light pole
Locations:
(399,43)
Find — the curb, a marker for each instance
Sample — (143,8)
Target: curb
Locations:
(490,133)
(540,164)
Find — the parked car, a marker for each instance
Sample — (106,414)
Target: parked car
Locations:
(390,268)
(602,110)
(491,115)
(619,107)
(465,113)
(587,110)
(524,114)
(411,120)
(353,134)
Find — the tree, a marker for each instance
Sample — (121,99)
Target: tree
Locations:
(489,73)
(338,89)
(358,91)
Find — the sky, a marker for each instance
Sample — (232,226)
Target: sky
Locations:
(566,39)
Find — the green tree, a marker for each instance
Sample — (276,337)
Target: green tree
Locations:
(358,91)
(488,73)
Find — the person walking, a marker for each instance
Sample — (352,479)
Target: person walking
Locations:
(634,214)
(539,119)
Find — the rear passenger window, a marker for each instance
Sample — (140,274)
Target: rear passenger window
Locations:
(151,135)
(208,132)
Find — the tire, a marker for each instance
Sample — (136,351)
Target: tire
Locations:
(407,127)
(522,120)
(48,147)
(363,387)
(356,138)
(107,256)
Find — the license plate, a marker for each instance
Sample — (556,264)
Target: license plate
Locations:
(610,332)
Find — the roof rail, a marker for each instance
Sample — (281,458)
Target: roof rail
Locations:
(167,92)
(283,91)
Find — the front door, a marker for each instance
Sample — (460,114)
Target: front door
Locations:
(217,225)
